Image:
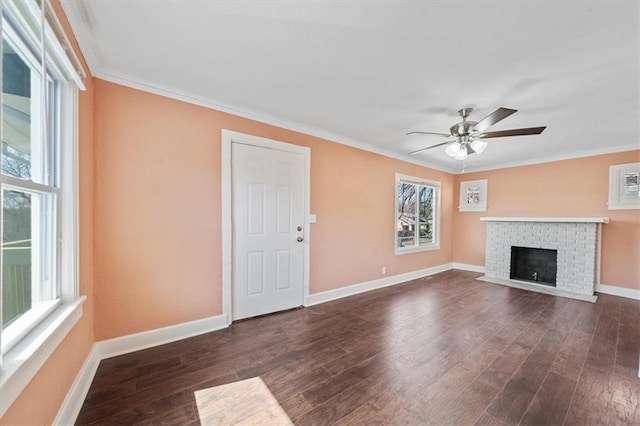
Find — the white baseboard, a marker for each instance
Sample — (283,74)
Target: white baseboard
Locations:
(70,408)
(630,293)
(339,293)
(468,267)
(159,336)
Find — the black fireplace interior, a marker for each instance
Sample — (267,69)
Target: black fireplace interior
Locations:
(535,265)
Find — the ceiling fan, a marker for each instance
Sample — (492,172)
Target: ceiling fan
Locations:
(468,135)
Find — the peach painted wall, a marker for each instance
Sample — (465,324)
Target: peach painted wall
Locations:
(40,401)
(158,210)
(577,187)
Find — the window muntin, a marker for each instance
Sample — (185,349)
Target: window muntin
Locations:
(417,214)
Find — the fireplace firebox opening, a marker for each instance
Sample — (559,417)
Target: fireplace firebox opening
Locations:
(534,265)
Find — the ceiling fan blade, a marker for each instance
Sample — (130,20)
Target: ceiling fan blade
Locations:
(429,147)
(491,119)
(513,132)
(446,135)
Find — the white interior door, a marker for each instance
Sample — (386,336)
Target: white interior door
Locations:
(268,230)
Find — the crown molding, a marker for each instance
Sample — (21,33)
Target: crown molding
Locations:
(552,158)
(265,118)
(334,137)
(81,24)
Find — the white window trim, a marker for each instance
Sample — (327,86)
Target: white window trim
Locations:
(435,245)
(23,360)
(63,58)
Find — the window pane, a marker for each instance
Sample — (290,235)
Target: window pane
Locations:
(22,148)
(426,215)
(16,255)
(28,275)
(406,214)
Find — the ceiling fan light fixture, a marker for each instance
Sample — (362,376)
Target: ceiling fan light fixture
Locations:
(461,154)
(470,135)
(453,149)
(469,149)
(478,146)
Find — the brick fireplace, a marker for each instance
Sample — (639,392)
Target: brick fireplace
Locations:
(575,239)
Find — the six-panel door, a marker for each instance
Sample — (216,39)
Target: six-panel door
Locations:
(268,230)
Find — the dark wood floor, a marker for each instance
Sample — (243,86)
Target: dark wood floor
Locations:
(440,350)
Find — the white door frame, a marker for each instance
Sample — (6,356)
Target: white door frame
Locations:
(229,137)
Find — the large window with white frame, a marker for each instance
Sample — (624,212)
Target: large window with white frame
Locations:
(30,186)
(417,218)
(38,183)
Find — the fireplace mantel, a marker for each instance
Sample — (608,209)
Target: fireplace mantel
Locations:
(563,219)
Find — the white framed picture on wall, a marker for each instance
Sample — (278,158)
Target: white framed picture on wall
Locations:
(473,196)
(624,186)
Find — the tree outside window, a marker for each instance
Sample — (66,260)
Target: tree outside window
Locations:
(415,218)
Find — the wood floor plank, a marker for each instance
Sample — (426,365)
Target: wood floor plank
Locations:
(121,408)
(152,409)
(553,397)
(551,401)
(594,403)
(334,385)
(184,415)
(602,353)
(446,349)
(467,406)
(442,391)
(309,357)
(487,419)
(504,366)
(285,385)
(379,410)
(513,400)
(296,406)
(627,351)
(342,404)
(572,355)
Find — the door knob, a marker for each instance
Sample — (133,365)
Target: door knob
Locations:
(300,239)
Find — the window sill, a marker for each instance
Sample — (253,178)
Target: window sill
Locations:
(417,249)
(22,326)
(624,206)
(23,361)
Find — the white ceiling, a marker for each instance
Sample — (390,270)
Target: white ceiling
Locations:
(366,73)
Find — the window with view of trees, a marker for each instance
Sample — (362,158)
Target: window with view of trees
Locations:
(30,185)
(39,118)
(417,214)
(40,301)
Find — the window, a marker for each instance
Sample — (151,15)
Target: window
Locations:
(417,219)
(30,187)
(39,192)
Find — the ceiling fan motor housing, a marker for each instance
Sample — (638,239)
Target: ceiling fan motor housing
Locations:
(463,128)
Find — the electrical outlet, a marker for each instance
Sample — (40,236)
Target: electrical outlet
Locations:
(384,270)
